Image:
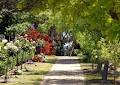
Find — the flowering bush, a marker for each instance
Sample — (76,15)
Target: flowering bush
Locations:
(47,38)
(48,49)
(32,34)
(15,53)
(11,48)
(43,39)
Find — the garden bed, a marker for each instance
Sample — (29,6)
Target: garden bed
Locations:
(34,74)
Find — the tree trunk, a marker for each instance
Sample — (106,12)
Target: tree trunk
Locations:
(114,78)
(105,71)
(114,74)
(99,67)
(6,70)
(22,60)
(92,66)
(17,62)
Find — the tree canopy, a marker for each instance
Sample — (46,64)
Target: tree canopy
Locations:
(100,16)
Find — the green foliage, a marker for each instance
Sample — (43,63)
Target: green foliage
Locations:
(114,48)
(24,17)
(87,42)
(19,28)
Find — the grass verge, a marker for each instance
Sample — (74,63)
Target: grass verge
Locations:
(95,78)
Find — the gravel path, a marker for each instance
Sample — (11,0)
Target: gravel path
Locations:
(66,71)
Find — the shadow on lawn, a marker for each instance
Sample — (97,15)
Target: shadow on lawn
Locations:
(37,73)
(36,81)
(100,82)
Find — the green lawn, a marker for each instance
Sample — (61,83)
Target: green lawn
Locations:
(35,74)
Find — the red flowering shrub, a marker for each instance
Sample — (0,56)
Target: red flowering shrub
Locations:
(48,48)
(47,38)
(33,34)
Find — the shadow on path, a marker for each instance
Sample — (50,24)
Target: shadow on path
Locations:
(66,71)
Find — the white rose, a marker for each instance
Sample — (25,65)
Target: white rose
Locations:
(4,41)
(26,35)
(96,56)
(10,44)
(33,47)
(17,41)
(21,36)
(15,48)
(5,47)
